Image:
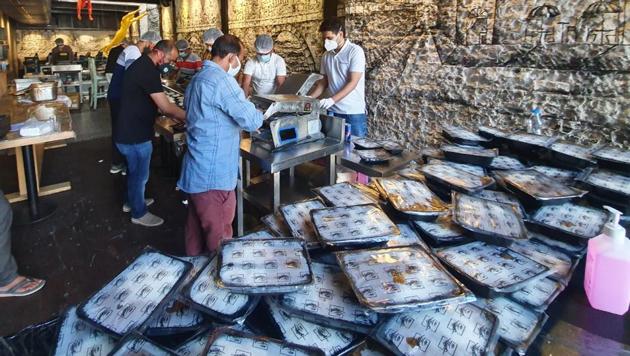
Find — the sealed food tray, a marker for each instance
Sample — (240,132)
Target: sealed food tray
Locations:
(277,225)
(470,168)
(534,188)
(518,326)
(352,225)
(464,329)
(456,179)
(571,156)
(262,234)
(462,136)
(393,280)
(613,158)
(344,194)
(411,172)
(75,337)
(492,132)
(134,296)
(412,198)
(563,176)
(298,218)
(528,143)
(506,163)
(489,221)
(366,144)
(561,263)
(430,152)
(392,147)
(228,341)
(569,222)
(490,269)
(501,197)
(195,345)
(203,294)
(607,185)
(175,319)
(441,232)
(269,266)
(538,296)
(407,237)
(134,344)
(300,331)
(374,156)
(575,251)
(470,154)
(330,302)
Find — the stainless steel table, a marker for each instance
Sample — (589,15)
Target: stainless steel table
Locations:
(351,160)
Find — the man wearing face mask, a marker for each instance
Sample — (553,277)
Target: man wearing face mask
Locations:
(188,63)
(217,112)
(61,52)
(142,96)
(114,91)
(343,68)
(209,37)
(267,71)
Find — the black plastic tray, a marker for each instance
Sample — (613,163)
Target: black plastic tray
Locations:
(552,221)
(535,189)
(412,198)
(538,296)
(478,156)
(571,155)
(298,218)
(450,177)
(375,156)
(470,168)
(408,237)
(442,232)
(134,344)
(501,197)
(366,144)
(462,136)
(600,202)
(564,176)
(228,341)
(529,143)
(575,251)
(561,263)
(392,147)
(607,185)
(277,225)
(344,194)
(492,132)
(506,163)
(613,158)
(195,345)
(75,337)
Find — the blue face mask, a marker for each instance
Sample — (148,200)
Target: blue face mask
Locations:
(264,58)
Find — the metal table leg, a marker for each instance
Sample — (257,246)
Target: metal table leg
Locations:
(292,177)
(276,192)
(239,201)
(36,210)
(247,169)
(332,169)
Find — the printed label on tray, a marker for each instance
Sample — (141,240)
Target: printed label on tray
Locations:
(470,168)
(609,180)
(228,342)
(359,223)
(539,294)
(537,185)
(576,219)
(557,261)
(344,194)
(456,177)
(139,346)
(488,217)
(411,196)
(298,218)
(78,338)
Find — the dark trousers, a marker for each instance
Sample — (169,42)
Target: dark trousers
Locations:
(138,157)
(114,109)
(8,267)
(210,216)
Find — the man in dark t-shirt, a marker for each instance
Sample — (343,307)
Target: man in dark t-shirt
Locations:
(142,96)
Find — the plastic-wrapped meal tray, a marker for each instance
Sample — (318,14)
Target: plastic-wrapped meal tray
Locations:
(135,295)
(563,176)
(262,234)
(491,269)
(77,338)
(470,154)
(518,326)
(393,280)
(506,163)
(195,345)
(344,194)
(299,331)
(501,197)
(534,188)
(270,266)
(462,136)
(412,198)
(407,237)
(352,225)
(572,223)
(298,218)
(228,341)
(571,156)
(607,185)
(470,168)
(366,144)
(559,262)
(441,232)
(277,225)
(392,147)
(330,302)
(489,221)
(538,296)
(134,344)
(203,294)
(411,172)
(526,143)
(430,152)
(374,156)
(452,178)
(464,329)
(613,158)
(492,132)
(573,250)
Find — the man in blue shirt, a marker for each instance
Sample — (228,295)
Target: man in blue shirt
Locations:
(216,112)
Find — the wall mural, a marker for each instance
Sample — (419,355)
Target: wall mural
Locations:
(194,17)
(30,42)
(472,62)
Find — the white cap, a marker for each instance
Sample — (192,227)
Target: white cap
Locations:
(211,35)
(263,44)
(151,36)
(612,228)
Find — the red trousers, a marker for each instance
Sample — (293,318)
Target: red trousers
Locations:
(210,216)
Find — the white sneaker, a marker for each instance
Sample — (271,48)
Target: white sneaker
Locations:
(147,202)
(148,220)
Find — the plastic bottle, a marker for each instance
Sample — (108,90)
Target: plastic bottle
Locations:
(534,122)
(607,276)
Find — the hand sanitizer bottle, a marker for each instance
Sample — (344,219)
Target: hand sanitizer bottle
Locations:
(607,276)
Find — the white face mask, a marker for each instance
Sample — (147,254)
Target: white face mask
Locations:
(331,45)
(234,71)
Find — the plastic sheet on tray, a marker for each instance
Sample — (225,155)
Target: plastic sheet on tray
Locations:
(558,261)
(412,197)
(330,302)
(352,225)
(298,218)
(532,139)
(269,266)
(132,298)
(464,329)
(262,234)
(277,225)
(78,338)
(462,136)
(442,232)
(573,250)
(195,345)
(374,156)
(227,341)
(344,194)
(470,154)
(454,178)
(366,144)
(407,237)
(573,221)
(430,152)
(205,295)
(489,221)
(412,171)
(500,197)
(574,155)
(392,147)
(299,331)
(492,269)
(535,186)
(518,326)
(563,176)
(470,168)
(607,184)
(176,318)
(492,132)
(506,163)
(369,347)
(538,296)
(613,158)
(134,344)
(396,279)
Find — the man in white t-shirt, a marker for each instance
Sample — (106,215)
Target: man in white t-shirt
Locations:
(266,72)
(343,68)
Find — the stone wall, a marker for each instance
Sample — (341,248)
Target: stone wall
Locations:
(472,62)
(41,42)
(194,17)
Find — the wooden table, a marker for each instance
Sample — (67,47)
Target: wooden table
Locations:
(29,158)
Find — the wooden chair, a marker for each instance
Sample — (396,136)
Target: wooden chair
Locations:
(98,90)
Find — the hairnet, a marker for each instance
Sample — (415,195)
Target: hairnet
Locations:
(211,35)
(181,45)
(264,43)
(151,36)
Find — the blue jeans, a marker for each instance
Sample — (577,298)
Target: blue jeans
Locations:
(138,157)
(358,123)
